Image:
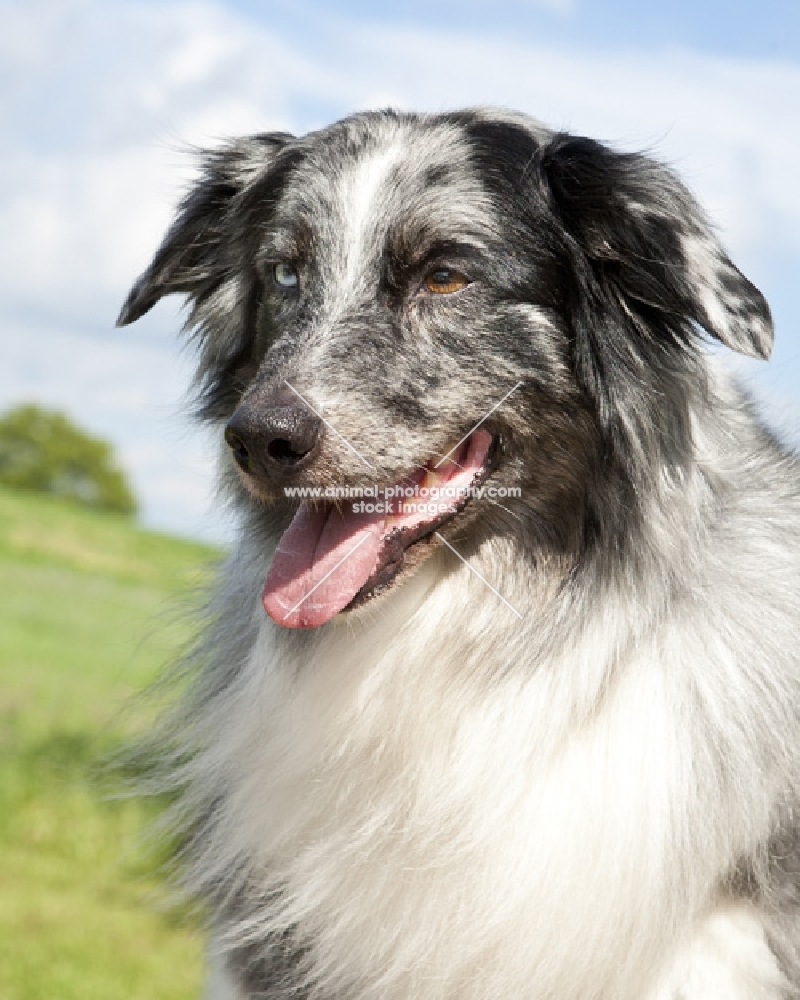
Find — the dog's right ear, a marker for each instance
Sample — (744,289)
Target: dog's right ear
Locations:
(194,258)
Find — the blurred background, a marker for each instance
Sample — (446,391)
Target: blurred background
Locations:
(101,105)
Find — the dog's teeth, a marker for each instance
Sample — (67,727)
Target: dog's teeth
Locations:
(432,478)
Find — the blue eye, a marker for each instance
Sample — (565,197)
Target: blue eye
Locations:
(285,274)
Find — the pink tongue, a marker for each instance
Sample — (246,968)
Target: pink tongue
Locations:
(327,555)
(304,588)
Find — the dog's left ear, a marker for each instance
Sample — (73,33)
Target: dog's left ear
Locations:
(643,239)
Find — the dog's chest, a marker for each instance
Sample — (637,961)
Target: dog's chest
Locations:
(425,834)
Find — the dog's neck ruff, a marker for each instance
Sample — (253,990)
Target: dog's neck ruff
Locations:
(368,783)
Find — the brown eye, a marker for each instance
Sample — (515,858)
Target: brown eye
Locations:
(444,281)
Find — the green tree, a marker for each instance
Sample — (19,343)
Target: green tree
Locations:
(43,450)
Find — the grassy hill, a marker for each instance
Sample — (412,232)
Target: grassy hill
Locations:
(92,609)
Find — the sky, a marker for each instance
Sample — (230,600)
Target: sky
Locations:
(103,101)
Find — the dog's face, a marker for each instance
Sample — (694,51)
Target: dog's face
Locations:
(443,301)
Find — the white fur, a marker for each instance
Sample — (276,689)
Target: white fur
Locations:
(220,985)
(728,958)
(361,192)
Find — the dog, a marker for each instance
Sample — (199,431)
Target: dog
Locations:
(541,738)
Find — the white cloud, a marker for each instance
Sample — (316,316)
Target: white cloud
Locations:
(103,98)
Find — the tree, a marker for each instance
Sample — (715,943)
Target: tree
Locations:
(43,450)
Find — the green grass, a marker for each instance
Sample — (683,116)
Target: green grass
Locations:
(91,609)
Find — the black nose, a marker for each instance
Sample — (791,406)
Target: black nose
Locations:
(276,435)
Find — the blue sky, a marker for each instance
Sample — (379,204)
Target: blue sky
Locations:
(769,30)
(101,100)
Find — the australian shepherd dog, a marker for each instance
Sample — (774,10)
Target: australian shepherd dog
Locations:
(499,697)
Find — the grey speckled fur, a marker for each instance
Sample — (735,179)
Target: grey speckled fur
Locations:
(427,797)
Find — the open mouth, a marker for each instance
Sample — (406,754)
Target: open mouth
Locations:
(336,556)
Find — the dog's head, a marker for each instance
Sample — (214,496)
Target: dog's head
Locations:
(407,302)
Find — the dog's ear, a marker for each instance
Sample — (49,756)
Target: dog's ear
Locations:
(644,245)
(194,256)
